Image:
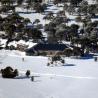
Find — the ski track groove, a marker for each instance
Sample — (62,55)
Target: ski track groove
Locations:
(58,75)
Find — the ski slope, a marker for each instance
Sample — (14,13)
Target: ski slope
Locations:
(77,79)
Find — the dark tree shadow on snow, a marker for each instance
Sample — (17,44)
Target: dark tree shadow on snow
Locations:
(24,77)
(69,65)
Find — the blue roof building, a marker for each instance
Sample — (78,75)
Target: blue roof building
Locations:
(49,48)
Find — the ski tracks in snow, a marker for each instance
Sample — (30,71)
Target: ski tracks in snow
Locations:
(60,75)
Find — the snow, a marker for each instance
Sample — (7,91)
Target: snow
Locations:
(34,16)
(77,79)
(29,43)
(91,1)
(14,43)
(3,42)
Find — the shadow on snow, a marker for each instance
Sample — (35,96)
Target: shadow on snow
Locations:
(69,65)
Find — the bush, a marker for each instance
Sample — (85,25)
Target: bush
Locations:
(39,26)
(12,47)
(28,73)
(95,59)
(43,53)
(63,61)
(32,78)
(8,72)
(48,64)
(16,72)
(78,19)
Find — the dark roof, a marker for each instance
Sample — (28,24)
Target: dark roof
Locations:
(47,47)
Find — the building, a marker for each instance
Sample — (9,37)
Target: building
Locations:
(46,49)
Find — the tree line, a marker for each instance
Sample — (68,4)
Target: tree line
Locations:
(58,29)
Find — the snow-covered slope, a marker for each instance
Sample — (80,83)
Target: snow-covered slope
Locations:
(77,79)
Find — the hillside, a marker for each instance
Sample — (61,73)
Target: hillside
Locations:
(76,79)
(70,22)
